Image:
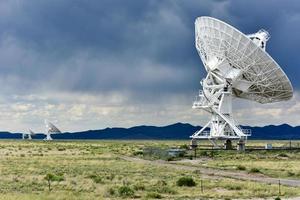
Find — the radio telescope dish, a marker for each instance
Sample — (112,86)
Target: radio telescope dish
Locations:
(50,129)
(28,135)
(237,65)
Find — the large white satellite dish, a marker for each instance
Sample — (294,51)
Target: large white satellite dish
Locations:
(50,129)
(237,65)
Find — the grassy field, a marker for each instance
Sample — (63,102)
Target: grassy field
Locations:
(276,164)
(96,170)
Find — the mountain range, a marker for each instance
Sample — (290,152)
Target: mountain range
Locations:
(176,131)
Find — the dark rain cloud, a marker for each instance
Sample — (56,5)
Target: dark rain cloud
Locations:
(145,48)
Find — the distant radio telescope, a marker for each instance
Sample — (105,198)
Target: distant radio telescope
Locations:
(28,135)
(50,129)
(237,65)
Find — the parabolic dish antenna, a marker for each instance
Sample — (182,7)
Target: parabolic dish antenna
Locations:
(237,65)
(28,135)
(50,129)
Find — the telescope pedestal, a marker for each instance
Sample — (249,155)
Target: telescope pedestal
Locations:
(48,137)
(241,145)
(216,99)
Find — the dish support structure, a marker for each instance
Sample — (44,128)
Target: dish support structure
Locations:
(216,99)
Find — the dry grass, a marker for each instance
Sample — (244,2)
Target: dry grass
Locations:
(93,170)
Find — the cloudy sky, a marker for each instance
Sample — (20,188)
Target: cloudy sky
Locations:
(96,64)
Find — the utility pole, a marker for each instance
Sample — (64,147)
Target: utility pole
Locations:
(201,185)
(279,191)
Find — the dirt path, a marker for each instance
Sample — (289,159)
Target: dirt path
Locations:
(216,172)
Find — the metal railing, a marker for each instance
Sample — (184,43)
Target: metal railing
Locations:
(200,100)
(203,134)
(247,132)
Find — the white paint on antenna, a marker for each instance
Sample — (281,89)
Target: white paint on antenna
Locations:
(237,66)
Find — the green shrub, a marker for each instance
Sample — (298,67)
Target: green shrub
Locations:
(125,191)
(283,155)
(137,153)
(61,148)
(161,186)
(184,146)
(289,173)
(203,153)
(111,191)
(181,154)
(186,181)
(139,186)
(163,190)
(210,154)
(171,158)
(161,183)
(254,170)
(153,195)
(277,198)
(233,187)
(51,178)
(241,167)
(96,178)
(58,178)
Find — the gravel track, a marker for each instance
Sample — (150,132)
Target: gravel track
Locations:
(217,173)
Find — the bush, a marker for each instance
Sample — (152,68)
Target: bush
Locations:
(125,191)
(277,198)
(210,154)
(137,153)
(181,154)
(289,173)
(283,155)
(171,158)
(233,187)
(204,153)
(153,195)
(51,178)
(241,167)
(254,170)
(111,191)
(161,186)
(96,178)
(61,148)
(186,181)
(162,189)
(110,177)
(139,186)
(184,146)
(161,183)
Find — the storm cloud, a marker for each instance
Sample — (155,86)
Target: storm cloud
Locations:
(124,62)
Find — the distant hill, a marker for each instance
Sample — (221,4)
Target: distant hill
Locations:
(174,131)
(280,132)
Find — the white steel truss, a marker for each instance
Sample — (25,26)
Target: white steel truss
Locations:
(216,99)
